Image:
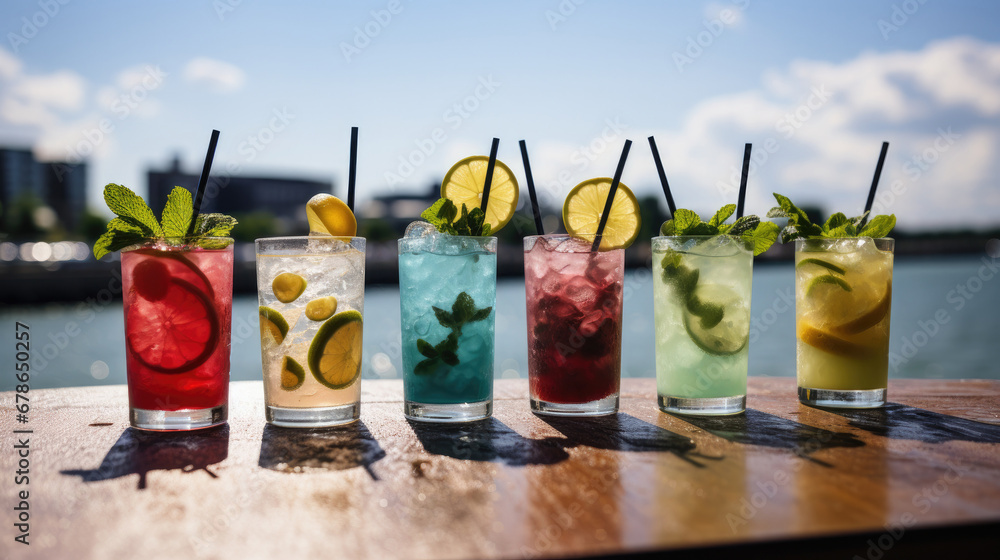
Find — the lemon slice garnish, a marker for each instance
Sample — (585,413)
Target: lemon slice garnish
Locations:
(583,208)
(464,182)
(328,215)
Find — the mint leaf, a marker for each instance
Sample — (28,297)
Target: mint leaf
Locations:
(464,308)
(880,226)
(176,216)
(722,215)
(846,229)
(426,367)
(799,224)
(487,229)
(744,224)
(667,228)
(481,314)
(432,213)
(214,225)
(426,349)
(127,205)
(449,358)
(684,220)
(835,221)
(444,318)
(762,236)
(116,240)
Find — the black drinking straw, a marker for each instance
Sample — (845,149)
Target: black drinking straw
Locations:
(611,196)
(663,178)
(353,173)
(489,175)
(743,181)
(205,171)
(531,190)
(871,191)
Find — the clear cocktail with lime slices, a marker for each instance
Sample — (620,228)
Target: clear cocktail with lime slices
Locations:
(311,291)
(701,294)
(843,298)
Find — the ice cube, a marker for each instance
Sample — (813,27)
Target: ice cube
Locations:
(580,290)
(419,229)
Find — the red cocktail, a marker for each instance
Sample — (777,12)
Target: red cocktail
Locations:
(178,306)
(574,303)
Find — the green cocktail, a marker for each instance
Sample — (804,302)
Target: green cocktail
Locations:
(701,297)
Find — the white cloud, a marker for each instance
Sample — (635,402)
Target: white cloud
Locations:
(824,123)
(219,76)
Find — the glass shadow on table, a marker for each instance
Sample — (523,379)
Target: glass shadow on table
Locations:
(487,440)
(297,450)
(755,427)
(139,452)
(621,432)
(898,421)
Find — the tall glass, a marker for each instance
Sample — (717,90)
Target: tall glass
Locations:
(311,292)
(178,302)
(843,296)
(701,294)
(447,292)
(574,304)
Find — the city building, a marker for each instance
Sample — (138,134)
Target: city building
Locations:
(283,197)
(59,185)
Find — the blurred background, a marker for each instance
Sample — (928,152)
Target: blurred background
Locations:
(129,93)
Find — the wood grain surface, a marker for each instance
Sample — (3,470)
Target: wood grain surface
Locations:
(923,472)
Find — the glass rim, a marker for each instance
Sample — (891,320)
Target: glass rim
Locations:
(298,237)
(151,242)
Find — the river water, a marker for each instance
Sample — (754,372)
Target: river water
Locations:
(944,325)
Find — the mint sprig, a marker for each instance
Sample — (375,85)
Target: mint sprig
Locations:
(136,223)
(463,311)
(749,228)
(836,226)
(445,216)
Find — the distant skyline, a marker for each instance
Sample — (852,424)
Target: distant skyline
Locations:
(816,87)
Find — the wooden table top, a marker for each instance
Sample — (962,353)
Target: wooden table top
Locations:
(923,472)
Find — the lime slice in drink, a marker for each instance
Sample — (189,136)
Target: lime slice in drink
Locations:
(273,325)
(820,262)
(328,215)
(292,374)
(335,351)
(584,206)
(818,282)
(464,183)
(719,337)
(288,286)
(322,308)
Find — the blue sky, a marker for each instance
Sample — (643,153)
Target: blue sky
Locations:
(816,86)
